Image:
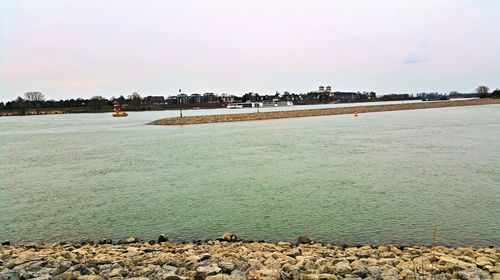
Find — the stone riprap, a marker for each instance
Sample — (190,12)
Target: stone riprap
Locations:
(319,112)
(235,259)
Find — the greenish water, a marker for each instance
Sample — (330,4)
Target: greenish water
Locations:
(381,178)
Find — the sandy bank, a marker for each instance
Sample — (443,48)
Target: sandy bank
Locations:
(319,112)
(229,258)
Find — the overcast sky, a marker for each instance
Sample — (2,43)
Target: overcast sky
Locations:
(70,48)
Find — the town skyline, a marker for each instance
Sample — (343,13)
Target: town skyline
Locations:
(326,89)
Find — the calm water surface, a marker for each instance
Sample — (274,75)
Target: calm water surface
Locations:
(381,178)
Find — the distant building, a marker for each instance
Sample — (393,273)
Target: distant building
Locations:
(326,89)
(196,98)
(182,99)
(154,100)
(251,97)
(210,97)
(172,100)
(226,98)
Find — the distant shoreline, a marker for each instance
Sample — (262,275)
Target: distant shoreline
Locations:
(319,112)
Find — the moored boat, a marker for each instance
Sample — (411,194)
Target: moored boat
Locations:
(234,106)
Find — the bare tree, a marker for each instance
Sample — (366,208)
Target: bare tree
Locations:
(34,99)
(482,91)
(34,96)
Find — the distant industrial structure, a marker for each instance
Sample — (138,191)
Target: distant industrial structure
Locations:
(325,89)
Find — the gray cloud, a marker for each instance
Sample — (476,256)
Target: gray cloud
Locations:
(414,58)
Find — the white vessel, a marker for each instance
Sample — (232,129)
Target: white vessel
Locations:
(234,106)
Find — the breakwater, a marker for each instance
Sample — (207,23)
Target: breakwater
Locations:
(231,258)
(318,112)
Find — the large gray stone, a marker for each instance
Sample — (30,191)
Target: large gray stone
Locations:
(10,275)
(303,239)
(374,272)
(343,268)
(203,271)
(470,274)
(162,238)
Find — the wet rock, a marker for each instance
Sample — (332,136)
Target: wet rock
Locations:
(87,242)
(162,238)
(283,244)
(131,240)
(105,241)
(229,237)
(6,243)
(152,242)
(303,239)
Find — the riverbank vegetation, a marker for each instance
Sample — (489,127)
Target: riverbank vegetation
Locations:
(35,103)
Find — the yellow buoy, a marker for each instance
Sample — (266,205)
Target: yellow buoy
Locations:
(118,111)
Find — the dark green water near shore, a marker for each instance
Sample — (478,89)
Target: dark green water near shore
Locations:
(381,178)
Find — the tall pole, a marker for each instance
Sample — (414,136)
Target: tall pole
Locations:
(180,105)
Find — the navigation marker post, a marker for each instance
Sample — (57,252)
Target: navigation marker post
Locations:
(180,107)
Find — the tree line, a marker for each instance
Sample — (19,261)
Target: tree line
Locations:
(484,92)
(35,101)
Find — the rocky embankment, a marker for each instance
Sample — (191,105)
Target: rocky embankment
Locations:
(230,258)
(319,112)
